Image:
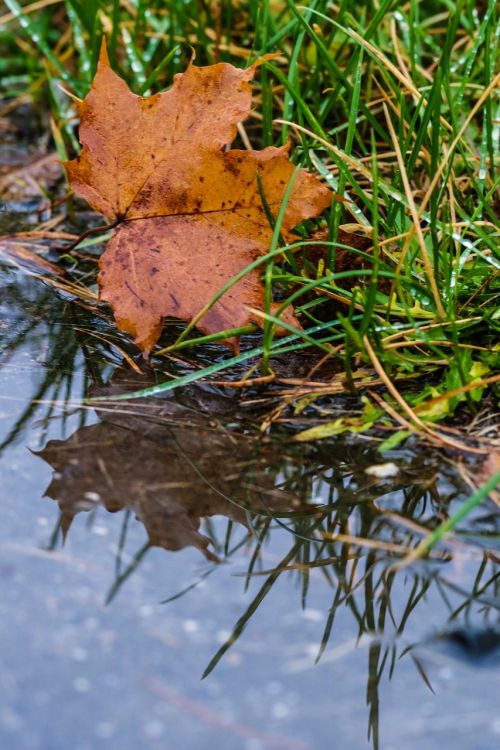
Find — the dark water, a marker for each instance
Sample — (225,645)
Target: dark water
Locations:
(106,514)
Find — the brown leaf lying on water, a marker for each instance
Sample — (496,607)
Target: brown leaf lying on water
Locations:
(190,214)
(170,464)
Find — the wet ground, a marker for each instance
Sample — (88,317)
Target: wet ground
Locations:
(146,544)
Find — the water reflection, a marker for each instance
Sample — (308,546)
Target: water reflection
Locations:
(171,464)
(177,462)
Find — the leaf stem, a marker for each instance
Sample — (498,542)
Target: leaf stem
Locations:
(87,233)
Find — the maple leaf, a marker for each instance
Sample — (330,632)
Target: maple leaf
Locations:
(190,215)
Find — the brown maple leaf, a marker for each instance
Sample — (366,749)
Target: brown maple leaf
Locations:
(190,214)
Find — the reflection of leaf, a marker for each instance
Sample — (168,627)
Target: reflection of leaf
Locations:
(171,467)
(190,215)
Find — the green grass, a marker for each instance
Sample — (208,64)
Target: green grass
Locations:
(393,103)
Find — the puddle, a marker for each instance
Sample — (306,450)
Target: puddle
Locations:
(147,543)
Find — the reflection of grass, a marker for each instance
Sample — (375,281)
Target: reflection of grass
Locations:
(349,569)
(393,106)
(47,327)
(349,544)
(446,527)
(45,324)
(382,600)
(372,592)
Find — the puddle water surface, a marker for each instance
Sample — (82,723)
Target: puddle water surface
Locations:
(148,543)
